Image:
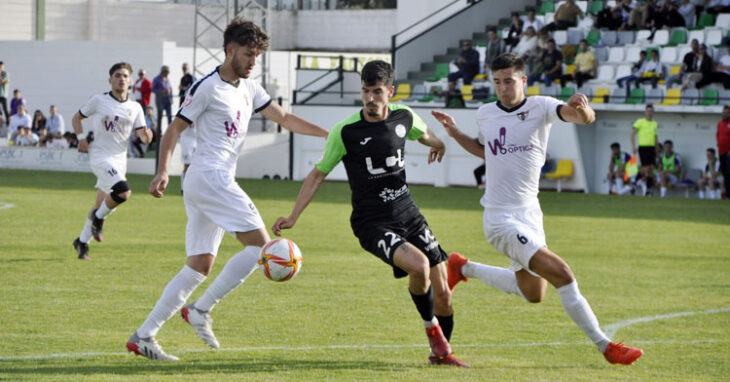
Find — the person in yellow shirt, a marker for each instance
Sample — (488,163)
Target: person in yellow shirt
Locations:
(646,128)
(585,66)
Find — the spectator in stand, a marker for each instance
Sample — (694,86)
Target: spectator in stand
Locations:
(137,146)
(635,72)
(515,30)
(494,48)
(550,67)
(710,178)
(687,10)
(55,124)
(479,175)
(531,21)
(163,95)
(186,82)
(703,67)
(651,71)
(670,167)
(689,64)
(669,17)
(610,17)
(585,66)
(616,168)
(721,73)
(16,101)
(566,16)
(718,6)
(468,64)
(4,80)
(3,127)
(142,89)
(39,122)
(72,142)
(646,128)
(527,47)
(626,8)
(17,121)
(723,147)
(26,138)
(51,142)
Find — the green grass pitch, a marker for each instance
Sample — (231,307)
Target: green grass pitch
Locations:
(344,317)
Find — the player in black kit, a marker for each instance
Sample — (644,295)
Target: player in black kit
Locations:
(384,217)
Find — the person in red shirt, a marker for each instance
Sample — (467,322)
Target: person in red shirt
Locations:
(142,89)
(723,147)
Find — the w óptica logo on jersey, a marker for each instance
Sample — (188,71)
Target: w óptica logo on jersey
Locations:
(111,125)
(500,146)
(232,129)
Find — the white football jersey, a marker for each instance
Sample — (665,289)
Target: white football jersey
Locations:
(515,143)
(221,112)
(113,121)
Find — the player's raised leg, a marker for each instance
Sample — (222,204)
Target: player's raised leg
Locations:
(81,244)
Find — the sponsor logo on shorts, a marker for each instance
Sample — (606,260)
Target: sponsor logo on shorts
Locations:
(428,239)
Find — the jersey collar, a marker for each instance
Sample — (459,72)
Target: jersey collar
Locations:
(506,110)
(117,99)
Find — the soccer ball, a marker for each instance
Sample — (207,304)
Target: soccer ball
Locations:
(280,259)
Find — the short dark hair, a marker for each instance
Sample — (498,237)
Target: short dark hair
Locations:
(584,41)
(550,40)
(669,142)
(120,65)
(508,60)
(711,150)
(492,29)
(2,62)
(615,145)
(726,107)
(649,105)
(377,71)
(245,33)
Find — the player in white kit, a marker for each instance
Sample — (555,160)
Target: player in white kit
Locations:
(513,136)
(115,118)
(220,105)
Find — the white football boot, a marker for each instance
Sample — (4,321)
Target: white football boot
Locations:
(201,323)
(149,348)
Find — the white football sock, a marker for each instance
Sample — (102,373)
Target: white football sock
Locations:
(237,269)
(625,190)
(701,194)
(663,192)
(580,312)
(497,277)
(619,183)
(85,235)
(103,210)
(177,291)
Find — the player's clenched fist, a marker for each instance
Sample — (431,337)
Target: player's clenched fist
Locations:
(158,185)
(282,223)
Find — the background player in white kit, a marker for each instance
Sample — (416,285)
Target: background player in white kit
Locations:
(513,136)
(221,105)
(116,117)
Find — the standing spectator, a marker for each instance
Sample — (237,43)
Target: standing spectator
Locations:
(185,82)
(468,64)
(39,122)
(721,73)
(551,66)
(585,66)
(16,101)
(566,16)
(688,64)
(515,30)
(495,47)
(723,147)
(531,21)
(710,177)
(4,80)
(646,128)
(687,10)
(55,124)
(163,95)
(142,89)
(18,120)
(616,168)
(670,167)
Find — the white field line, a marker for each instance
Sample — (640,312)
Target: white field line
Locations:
(5,206)
(613,328)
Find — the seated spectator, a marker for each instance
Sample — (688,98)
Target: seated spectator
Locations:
(18,120)
(527,46)
(531,21)
(51,142)
(585,66)
(566,16)
(468,64)
(26,137)
(635,71)
(702,67)
(72,141)
(610,17)
(550,67)
(669,16)
(670,167)
(616,168)
(710,178)
(721,73)
(16,101)
(515,30)
(688,64)
(39,122)
(687,10)
(652,70)
(718,6)
(495,47)
(55,123)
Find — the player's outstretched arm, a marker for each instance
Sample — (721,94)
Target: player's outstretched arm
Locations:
(577,110)
(79,129)
(292,122)
(469,144)
(167,146)
(306,194)
(438,149)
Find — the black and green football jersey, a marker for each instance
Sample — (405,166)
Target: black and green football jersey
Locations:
(373,155)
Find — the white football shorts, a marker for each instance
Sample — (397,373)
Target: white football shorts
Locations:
(517,233)
(215,204)
(109,171)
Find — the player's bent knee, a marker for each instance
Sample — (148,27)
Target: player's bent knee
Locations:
(120,192)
